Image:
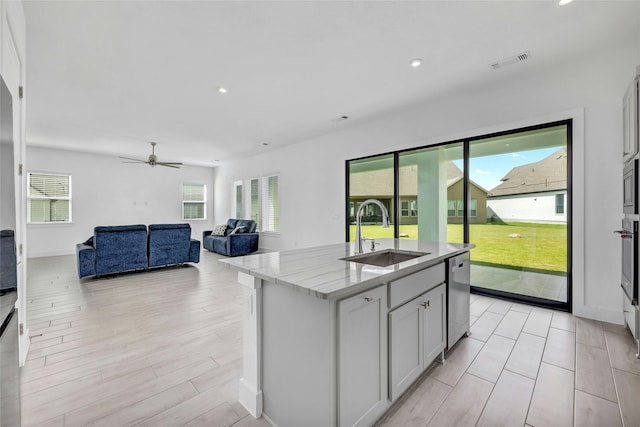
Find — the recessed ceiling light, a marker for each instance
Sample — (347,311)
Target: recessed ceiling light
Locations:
(222,90)
(563,2)
(416,62)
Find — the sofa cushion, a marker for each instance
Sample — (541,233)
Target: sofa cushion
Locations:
(169,244)
(248,223)
(238,230)
(219,230)
(120,248)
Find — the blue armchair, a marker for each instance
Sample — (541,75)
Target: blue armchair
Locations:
(240,238)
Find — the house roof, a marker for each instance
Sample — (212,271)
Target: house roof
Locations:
(548,174)
(379,182)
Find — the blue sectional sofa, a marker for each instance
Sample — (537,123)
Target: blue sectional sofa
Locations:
(171,244)
(240,238)
(116,249)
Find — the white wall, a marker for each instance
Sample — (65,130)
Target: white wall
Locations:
(589,91)
(106,191)
(537,208)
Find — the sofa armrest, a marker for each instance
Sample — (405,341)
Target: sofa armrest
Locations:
(206,233)
(242,243)
(86,257)
(194,250)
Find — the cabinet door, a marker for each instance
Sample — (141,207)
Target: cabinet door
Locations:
(630,121)
(362,358)
(435,310)
(406,346)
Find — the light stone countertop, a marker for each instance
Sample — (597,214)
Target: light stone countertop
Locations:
(319,271)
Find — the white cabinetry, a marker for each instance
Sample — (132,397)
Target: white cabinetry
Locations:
(417,336)
(630,120)
(362,357)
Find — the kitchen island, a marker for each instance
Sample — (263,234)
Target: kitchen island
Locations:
(329,341)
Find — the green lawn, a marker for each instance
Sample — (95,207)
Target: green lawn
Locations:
(539,246)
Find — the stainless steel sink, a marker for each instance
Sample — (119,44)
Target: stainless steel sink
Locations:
(385,258)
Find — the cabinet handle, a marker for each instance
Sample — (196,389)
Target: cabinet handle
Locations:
(425,304)
(368,299)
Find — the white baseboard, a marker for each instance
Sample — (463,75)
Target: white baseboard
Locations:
(250,398)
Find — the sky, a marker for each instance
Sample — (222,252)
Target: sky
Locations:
(489,170)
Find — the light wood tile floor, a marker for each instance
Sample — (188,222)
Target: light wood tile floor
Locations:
(163,348)
(152,348)
(527,366)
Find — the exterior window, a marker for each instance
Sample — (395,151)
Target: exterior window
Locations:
(239,211)
(49,198)
(404,209)
(460,204)
(270,204)
(451,208)
(473,208)
(414,208)
(559,204)
(409,208)
(254,201)
(194,201)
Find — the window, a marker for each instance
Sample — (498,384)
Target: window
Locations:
(451,208)
(270,204)
(404,208)
(473,208)
(559,204)
(460,204)
(409,208)
(194,201)
(49,198)
(254,201)
(239,211)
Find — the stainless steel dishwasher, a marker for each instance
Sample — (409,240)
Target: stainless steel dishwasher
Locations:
(458,293)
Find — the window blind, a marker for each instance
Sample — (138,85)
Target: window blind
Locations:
(270,204)
(194,201)
(254,201)
(49,198)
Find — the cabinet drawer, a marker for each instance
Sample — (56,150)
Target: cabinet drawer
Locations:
(406,288)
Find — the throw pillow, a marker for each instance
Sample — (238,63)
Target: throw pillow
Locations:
(219,230)
(238,230)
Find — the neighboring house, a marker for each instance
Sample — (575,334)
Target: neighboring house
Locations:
(535,192)
(378,184)
(455,206)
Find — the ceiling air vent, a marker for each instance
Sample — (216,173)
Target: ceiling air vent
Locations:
(510,61)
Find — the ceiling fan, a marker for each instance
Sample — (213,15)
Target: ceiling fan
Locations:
(153,159)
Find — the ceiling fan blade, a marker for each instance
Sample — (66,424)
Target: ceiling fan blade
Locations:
(169,165)
(134,160)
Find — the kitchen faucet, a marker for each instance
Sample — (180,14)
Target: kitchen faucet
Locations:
(385,221)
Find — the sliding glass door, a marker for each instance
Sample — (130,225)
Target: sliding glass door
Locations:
(507,193)
(522,244)
(371,178)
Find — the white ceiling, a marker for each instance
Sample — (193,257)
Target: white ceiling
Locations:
(108,77)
